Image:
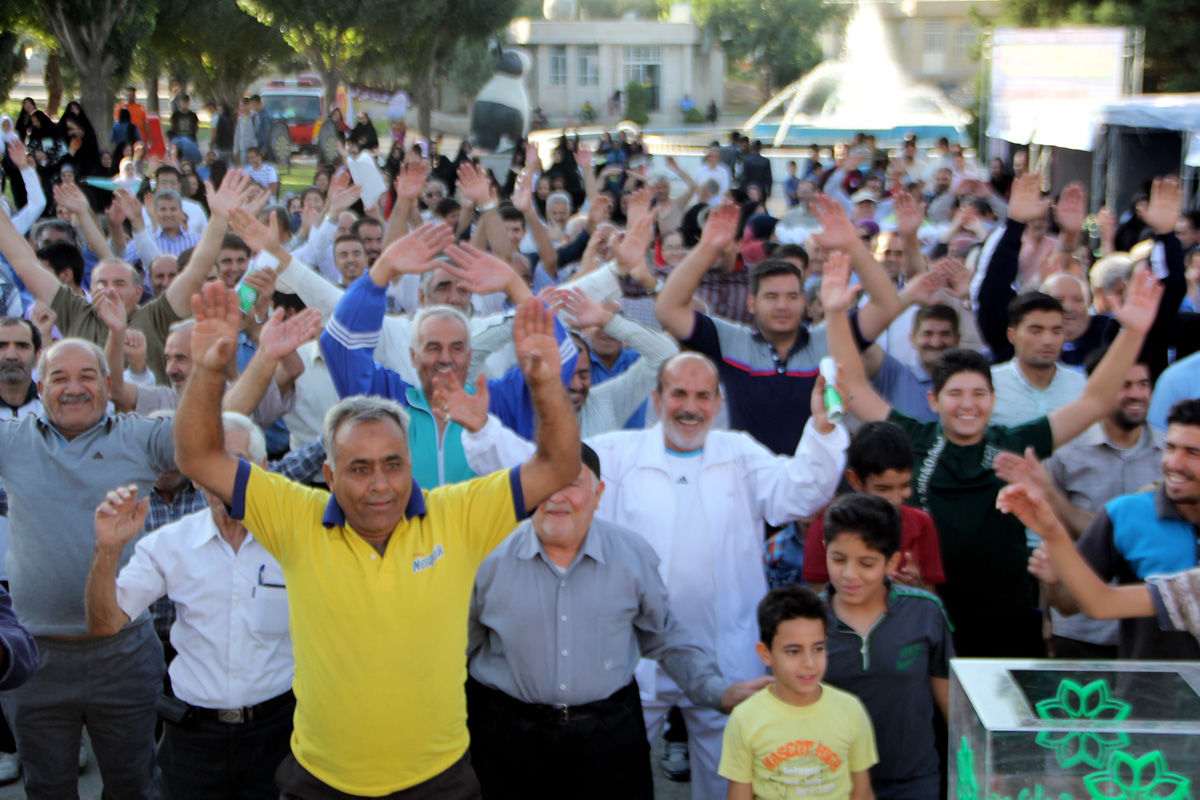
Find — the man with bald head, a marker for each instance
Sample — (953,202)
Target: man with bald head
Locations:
(57,467)
(700,497)
(1085,332)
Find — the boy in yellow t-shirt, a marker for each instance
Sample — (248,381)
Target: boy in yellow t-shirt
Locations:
(798,737)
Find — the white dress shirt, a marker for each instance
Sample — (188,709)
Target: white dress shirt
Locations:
(231,625)
(1018,401)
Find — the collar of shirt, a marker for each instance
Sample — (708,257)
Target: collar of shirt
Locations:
(802,337)
(207,531)
(530,546)
(1163,507)
(1096,437)
(335,517)
(106,422)
(30,396)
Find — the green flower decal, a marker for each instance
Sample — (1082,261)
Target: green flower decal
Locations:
(1145,778)
(1092,702)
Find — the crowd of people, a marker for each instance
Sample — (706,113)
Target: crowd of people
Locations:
(478,489)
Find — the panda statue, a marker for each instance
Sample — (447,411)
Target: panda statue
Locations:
(500,115)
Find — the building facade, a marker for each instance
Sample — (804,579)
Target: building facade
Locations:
(578,61)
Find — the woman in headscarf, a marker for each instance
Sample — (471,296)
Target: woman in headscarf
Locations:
(83,150)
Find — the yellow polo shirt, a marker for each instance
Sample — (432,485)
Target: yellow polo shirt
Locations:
(380,641)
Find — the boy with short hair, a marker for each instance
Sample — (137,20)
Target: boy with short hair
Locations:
(879,462)
(798,736)
(888,644)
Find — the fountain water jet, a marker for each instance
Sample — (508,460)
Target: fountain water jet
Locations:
(863,90)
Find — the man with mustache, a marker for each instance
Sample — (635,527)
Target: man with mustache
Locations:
(73,450)
(1032,383)
(700,498)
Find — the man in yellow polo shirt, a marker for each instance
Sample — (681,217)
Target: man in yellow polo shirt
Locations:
(379,575)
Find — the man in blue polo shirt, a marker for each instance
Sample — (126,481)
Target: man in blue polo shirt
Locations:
(1152,533)
(768,371)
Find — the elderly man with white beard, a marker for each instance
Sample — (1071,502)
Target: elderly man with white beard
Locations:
(700,498)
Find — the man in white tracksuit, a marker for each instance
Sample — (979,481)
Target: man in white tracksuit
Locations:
(700,499)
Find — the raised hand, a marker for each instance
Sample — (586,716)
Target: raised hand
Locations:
(218,318)
(413,253)
(114,213)
(1138,310)
(533,161)
(280,337)
(341,198)
(1166,200)
(257,235)
(537,349)
(720,229)
(586,312)
(837,231)
(44,317)
(522,197)
(583,158)
(1071,208)
(909,214)
(632,250)
(135,349)
(958,277)
(451,402)
(1027,503)
(479,271)
(69,196)
(600,211)
(837,295)
(256,199)
(1025,201)
(18,154)
(130,208)
(236,189)
(411,180)
(923,288)
(1026,469)
(110,310)
(639,205)
(120,517)
(474,184)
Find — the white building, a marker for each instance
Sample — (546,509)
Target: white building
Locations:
(587,60)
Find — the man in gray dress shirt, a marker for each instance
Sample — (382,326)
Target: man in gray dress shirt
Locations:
(561,612)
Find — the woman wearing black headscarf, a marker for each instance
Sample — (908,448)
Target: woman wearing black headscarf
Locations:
(33,124)
(83,150)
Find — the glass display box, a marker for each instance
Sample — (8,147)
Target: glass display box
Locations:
(1074,730)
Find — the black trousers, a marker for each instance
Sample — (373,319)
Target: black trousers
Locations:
(209,760)
(457,782)
(596,751)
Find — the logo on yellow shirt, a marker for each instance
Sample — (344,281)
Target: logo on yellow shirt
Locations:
(423,562)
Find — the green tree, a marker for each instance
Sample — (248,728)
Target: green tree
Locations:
(98,38)
(218,45)
(422,44)
(777,37)
(12,59)
(1172,29)
(635,103)
(328,33)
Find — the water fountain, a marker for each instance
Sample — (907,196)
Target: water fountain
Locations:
(863,90)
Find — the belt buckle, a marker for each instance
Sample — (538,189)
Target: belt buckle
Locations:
(563,713)
(231,716)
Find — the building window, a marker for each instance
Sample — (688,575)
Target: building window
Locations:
(589,66)
(934,39)
(643,64)
(558,65)
(965,40)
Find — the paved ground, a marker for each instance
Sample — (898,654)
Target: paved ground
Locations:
(89,783)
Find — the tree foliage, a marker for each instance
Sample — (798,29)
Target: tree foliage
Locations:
(12,59)
(98,38)
(328,33)
(778,37)
(217,45)
(1172,29)
(635,103)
